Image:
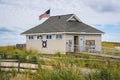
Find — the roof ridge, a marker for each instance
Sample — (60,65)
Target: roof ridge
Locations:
(62,15)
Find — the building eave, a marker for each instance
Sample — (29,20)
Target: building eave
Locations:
(61,33)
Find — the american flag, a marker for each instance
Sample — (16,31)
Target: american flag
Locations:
(46,14)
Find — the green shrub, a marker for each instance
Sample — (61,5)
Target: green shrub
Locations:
(58,74)
(85,56)
(58,54)
(22,57)
(32,59)
(103,74)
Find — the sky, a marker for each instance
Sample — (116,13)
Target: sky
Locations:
(17,16)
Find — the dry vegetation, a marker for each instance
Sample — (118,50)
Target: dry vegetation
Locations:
(63,67)
(110,44)
(110,48)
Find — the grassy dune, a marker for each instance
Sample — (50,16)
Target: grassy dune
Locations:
(109,48)
(63,67)
(110,44)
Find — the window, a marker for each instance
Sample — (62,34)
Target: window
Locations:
(58,36)
(39,37)
(48,36)
(90,43)
(31,37)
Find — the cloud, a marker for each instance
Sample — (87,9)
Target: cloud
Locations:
(104,5)
(10,36)
(10,3)
(111,31)
(111,37)
(10,39)
(97,5)
(19,15)
(107,26)
(3,30)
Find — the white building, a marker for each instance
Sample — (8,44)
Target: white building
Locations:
(63,33)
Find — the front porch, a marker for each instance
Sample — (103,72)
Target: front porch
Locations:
(80,49)
(80,44)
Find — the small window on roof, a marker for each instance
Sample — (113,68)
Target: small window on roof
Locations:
(48,36)
(31,37)
(39,37)
(58,36)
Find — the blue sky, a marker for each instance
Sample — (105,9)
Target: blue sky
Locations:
(16,16)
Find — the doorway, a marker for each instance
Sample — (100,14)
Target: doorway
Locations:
(76,44)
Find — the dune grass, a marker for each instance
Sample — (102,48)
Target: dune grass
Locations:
(110,44)
(109,48)
(63,67)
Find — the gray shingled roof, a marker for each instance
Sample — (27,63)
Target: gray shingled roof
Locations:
(60,24)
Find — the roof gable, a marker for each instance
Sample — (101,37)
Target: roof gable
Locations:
(62,23)
(74,18)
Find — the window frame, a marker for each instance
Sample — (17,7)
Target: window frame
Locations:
(30,37)
(91,44)
(48,36)
(39,37)
(58,36)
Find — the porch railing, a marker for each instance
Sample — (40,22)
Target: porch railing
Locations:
(78,48)
(111,51)
(104,50)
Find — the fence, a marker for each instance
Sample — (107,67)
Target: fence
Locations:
(110,51)
(78,49)
(92,49)
(19,66)
(18,62)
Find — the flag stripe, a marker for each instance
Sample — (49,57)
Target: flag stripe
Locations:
(46,14)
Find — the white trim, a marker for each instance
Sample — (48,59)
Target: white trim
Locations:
(45,33)
(61,33)
(75,17)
